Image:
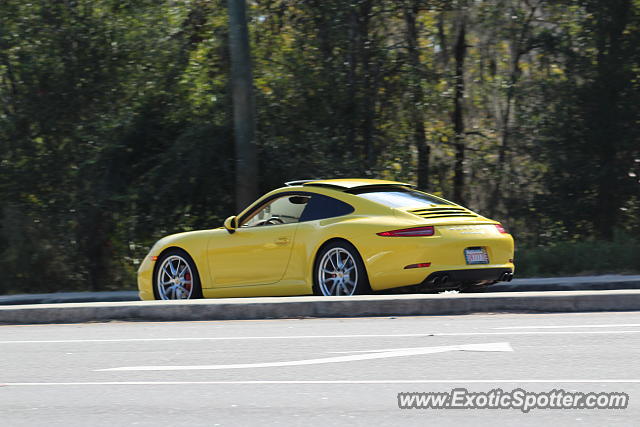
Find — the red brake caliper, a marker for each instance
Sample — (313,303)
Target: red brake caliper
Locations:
(187,278)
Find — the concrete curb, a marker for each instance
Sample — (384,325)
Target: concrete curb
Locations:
(69,297)
(580,283)
(294,307)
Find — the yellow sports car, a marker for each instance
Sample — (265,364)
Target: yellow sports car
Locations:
(332,237)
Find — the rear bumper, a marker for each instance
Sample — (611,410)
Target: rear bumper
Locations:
(386,257)
(468,276)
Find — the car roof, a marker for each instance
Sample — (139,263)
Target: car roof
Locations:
(347,183)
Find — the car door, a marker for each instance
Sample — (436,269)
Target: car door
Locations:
(258,252)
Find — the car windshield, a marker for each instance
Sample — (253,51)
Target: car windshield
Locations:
(402,198)
(282,210)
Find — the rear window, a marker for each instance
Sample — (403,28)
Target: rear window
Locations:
(321,207)
(401,198)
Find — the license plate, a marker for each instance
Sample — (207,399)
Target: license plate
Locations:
(476,256)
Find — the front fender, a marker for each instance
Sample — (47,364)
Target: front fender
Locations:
(192,242)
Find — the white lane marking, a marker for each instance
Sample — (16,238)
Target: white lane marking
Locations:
(443,381)
(498,346)
(280,337)
(377,351)
(612,325)
(288,337)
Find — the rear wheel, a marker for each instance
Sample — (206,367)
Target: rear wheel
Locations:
(339,271)
(176,277)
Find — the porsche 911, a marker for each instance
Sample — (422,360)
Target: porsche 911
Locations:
(334,237)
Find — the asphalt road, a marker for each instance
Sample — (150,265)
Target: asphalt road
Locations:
(313,371)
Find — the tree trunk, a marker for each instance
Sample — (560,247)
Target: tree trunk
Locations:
(370,77)
(460,50)
(517,50)
(351,110)
(607,130)
(243,106)
(417,95)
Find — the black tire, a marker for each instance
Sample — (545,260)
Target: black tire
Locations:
(344,280)
(176,258)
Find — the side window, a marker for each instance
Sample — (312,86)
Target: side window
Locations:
(281,210)
(321,207)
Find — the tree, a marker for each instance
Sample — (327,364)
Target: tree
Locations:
(243,106)
(460,51)
(411,11)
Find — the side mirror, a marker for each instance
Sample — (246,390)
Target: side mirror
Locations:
(231,224)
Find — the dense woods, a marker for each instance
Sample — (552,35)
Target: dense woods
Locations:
(116,120)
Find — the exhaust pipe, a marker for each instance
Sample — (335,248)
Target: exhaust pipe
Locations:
(436,280)
(444,279)
(506,277)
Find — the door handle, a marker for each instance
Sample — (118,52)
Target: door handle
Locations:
(282,241)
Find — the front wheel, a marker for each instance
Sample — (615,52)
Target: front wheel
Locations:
(339,271)
(176,277)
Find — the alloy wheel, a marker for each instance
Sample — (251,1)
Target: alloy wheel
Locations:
(174,279)
(337,273)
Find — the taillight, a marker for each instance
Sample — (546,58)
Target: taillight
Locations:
(409,232)
(501,229)
(421,265)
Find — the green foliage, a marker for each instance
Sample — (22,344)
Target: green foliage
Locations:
(116,121)
(586,257)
